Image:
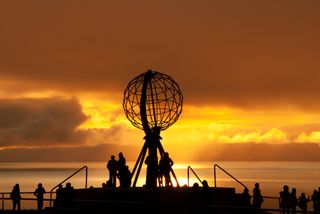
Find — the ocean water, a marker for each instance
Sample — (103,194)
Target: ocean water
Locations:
(304,176)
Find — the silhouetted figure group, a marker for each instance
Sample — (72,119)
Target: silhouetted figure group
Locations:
(118,169)
(165,166)
(289,201)
(159,171)
(257,198)
(16,196)
(65,196)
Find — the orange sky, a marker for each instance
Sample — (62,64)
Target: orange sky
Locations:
(248,70)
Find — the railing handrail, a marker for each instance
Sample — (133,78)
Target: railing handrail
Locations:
(190,168)
(215,176)
(76,172)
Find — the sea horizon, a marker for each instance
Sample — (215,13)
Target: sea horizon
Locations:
(271,176)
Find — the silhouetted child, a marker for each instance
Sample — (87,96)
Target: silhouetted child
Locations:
(39,192)
(205,184)
(112,166)
(165,165)
(302,203)
(103,185)
(16,197)
(285,200)
(257,198)
(195,186)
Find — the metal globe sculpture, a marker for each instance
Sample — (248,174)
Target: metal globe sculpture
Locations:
(152,102)
(163,100)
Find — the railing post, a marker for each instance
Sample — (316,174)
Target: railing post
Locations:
(86,185)
(214,176)
(2,201)
(188,175)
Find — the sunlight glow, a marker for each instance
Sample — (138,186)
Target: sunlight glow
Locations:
(201,125)
(101,114)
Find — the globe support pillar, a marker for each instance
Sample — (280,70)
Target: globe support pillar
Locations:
(152,102)
(149,156)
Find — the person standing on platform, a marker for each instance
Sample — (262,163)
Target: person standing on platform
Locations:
(165,168)
(257,198)
(121,162)
(112,166)
(285,200)
(302,203)
(39,192)
(293,200)
(16,197)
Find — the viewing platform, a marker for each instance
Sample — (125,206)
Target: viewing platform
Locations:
(158,200)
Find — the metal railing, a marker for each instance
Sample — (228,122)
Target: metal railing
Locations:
(188,174)
(215,175)
(73,174)
(5,196)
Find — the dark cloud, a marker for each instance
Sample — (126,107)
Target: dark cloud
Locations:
(41,122)
(233,52)
(101,152)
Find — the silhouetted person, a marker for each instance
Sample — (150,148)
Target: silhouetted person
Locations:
(302,203)
(125,178)
(16,197)
(195,186)
(246,197)
(316,201)
(205,184)
(109,184)
(121,162)
(58,196)
(293,200)
(112,166)
(39,192)
(152,171)
(69,195)
(285,200)
(165,165)
(257,198)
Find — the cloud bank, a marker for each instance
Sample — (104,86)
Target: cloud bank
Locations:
(41,122)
